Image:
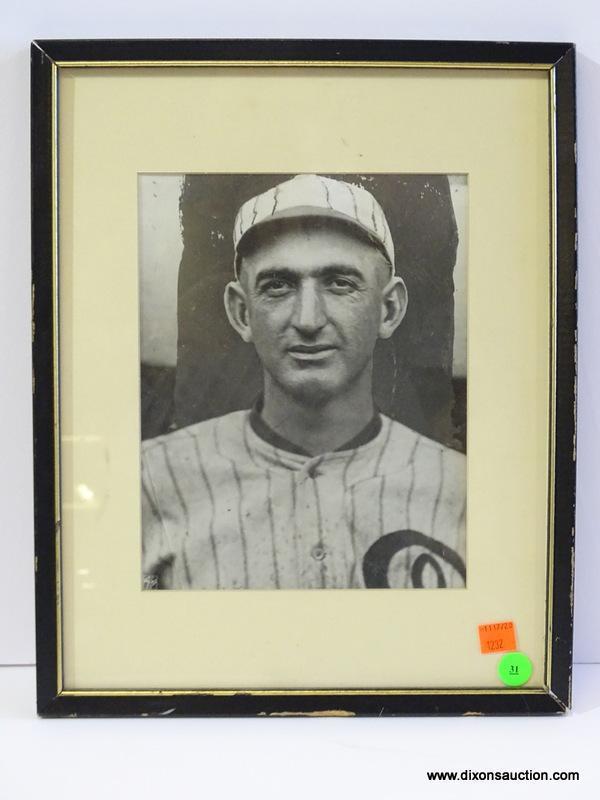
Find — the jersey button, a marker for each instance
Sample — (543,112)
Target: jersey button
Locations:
(318,552)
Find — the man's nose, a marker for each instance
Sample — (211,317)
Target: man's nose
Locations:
(309,312)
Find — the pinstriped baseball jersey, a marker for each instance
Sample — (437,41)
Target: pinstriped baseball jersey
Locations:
(223,508)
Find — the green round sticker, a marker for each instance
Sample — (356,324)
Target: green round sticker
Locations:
(515,669)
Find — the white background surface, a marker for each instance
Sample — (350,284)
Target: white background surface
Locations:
(292,758)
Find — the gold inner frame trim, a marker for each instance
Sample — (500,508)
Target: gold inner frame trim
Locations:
(290,692)
(300,63)
(550,68)
(56,386)
(552,367)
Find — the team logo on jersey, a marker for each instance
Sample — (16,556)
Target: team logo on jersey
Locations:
(377,560)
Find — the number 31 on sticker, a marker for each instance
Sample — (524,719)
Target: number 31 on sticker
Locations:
(497,637)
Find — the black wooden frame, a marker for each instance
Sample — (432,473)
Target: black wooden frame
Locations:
(46,58)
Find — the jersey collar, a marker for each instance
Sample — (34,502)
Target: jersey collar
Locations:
(267,434)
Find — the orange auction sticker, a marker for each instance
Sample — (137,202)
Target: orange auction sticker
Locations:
(497,637)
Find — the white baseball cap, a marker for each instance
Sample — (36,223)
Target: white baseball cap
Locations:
(316,196)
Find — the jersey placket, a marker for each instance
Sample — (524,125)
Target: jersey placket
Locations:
(329,564)
(311,534)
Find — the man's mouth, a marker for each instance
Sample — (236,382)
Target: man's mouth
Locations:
(311,352)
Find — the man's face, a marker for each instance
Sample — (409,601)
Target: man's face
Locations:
(315,302)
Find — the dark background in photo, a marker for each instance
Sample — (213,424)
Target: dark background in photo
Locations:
(217,373)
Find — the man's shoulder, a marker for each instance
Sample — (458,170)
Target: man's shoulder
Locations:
(207,433)
(413,442)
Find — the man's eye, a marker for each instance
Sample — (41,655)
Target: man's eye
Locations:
(341,284)
(275,287)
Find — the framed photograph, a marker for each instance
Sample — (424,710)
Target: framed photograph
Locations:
(304,376)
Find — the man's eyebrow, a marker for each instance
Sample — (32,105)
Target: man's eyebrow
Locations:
(339,269)
(329,270)
(280,273)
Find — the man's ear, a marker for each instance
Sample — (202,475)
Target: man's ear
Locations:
(394,300)
(236,308)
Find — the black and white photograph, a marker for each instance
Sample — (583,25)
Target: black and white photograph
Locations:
(303,380)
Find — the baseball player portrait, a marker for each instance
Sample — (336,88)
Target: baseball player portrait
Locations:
(311,485)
